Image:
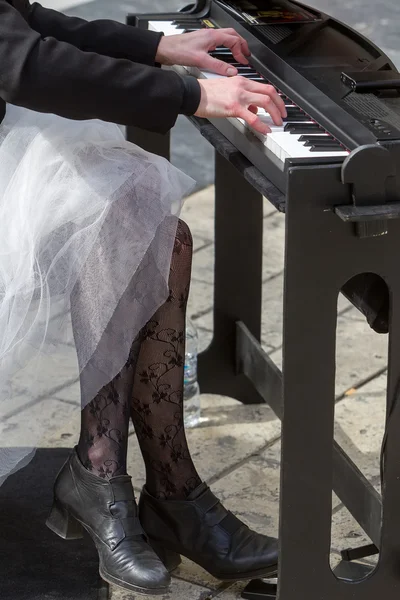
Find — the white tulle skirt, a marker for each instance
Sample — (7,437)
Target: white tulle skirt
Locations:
(87,226)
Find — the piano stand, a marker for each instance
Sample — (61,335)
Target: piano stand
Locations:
(323,251)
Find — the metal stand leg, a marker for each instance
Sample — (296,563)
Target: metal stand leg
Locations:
(238,280)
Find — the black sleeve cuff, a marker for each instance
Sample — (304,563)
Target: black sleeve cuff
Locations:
(143,46)
(191,96)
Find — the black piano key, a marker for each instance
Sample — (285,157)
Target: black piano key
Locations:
(332,143)
(257,78)
(321,143)
(253,76)
(325,149)
(296,112)
(225,58)
(284,97)
(296,119)
(315,138)
(195,25)
(299,128)
(245,69)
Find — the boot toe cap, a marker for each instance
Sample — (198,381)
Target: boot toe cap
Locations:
(133,569)
(257,553)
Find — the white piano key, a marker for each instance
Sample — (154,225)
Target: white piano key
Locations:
(166,27)
(287,145)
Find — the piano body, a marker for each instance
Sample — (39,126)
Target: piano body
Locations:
(334,169)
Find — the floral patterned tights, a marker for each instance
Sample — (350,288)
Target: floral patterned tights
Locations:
(149,389)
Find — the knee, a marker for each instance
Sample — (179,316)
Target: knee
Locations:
(183,234)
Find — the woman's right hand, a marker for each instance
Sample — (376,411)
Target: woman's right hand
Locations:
(240,97)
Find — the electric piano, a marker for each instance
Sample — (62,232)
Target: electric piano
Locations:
(305,63)
(333,168)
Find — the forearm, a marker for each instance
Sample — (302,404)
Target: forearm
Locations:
(47,75)
(101,36)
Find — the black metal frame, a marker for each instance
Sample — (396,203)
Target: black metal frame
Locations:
(324,249)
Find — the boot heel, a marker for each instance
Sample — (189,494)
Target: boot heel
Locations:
(63,524)
(171,559)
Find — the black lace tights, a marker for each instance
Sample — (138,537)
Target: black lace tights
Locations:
(150,390)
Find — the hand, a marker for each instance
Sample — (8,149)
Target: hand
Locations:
(191,50)
(240,97)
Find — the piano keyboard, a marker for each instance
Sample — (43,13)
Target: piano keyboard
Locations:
(299,136)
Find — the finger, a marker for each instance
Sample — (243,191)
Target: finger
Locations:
(253,120)
(233,42)
(267,103)
(243,42)
(217,66)
(245,47)
(268,90)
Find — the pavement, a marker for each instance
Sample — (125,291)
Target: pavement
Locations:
(246,439)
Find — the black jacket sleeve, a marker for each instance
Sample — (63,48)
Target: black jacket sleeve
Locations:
(102,36)
(48,75)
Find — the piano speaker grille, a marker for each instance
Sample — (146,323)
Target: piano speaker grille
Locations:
(274,33)
(370,106)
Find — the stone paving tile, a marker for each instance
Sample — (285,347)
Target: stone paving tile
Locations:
(192,573)
(251,491)
(70,393)
(360,424)
(180,590)
(233,592)
(205,338)
(200,302)
(346,533)
(43,420)
(48,373)
(230,433)
(361,353)
(203,260)
(198,212)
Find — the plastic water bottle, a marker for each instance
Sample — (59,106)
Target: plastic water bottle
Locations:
(191,390)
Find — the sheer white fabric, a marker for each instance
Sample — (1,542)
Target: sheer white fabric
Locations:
(87,226)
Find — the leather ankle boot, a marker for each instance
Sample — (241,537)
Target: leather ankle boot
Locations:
(201,529)
(107,510)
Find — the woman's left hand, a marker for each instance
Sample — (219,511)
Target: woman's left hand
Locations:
(191,50)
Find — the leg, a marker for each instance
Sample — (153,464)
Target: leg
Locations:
(157,400)
(103,441)
(178,512)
